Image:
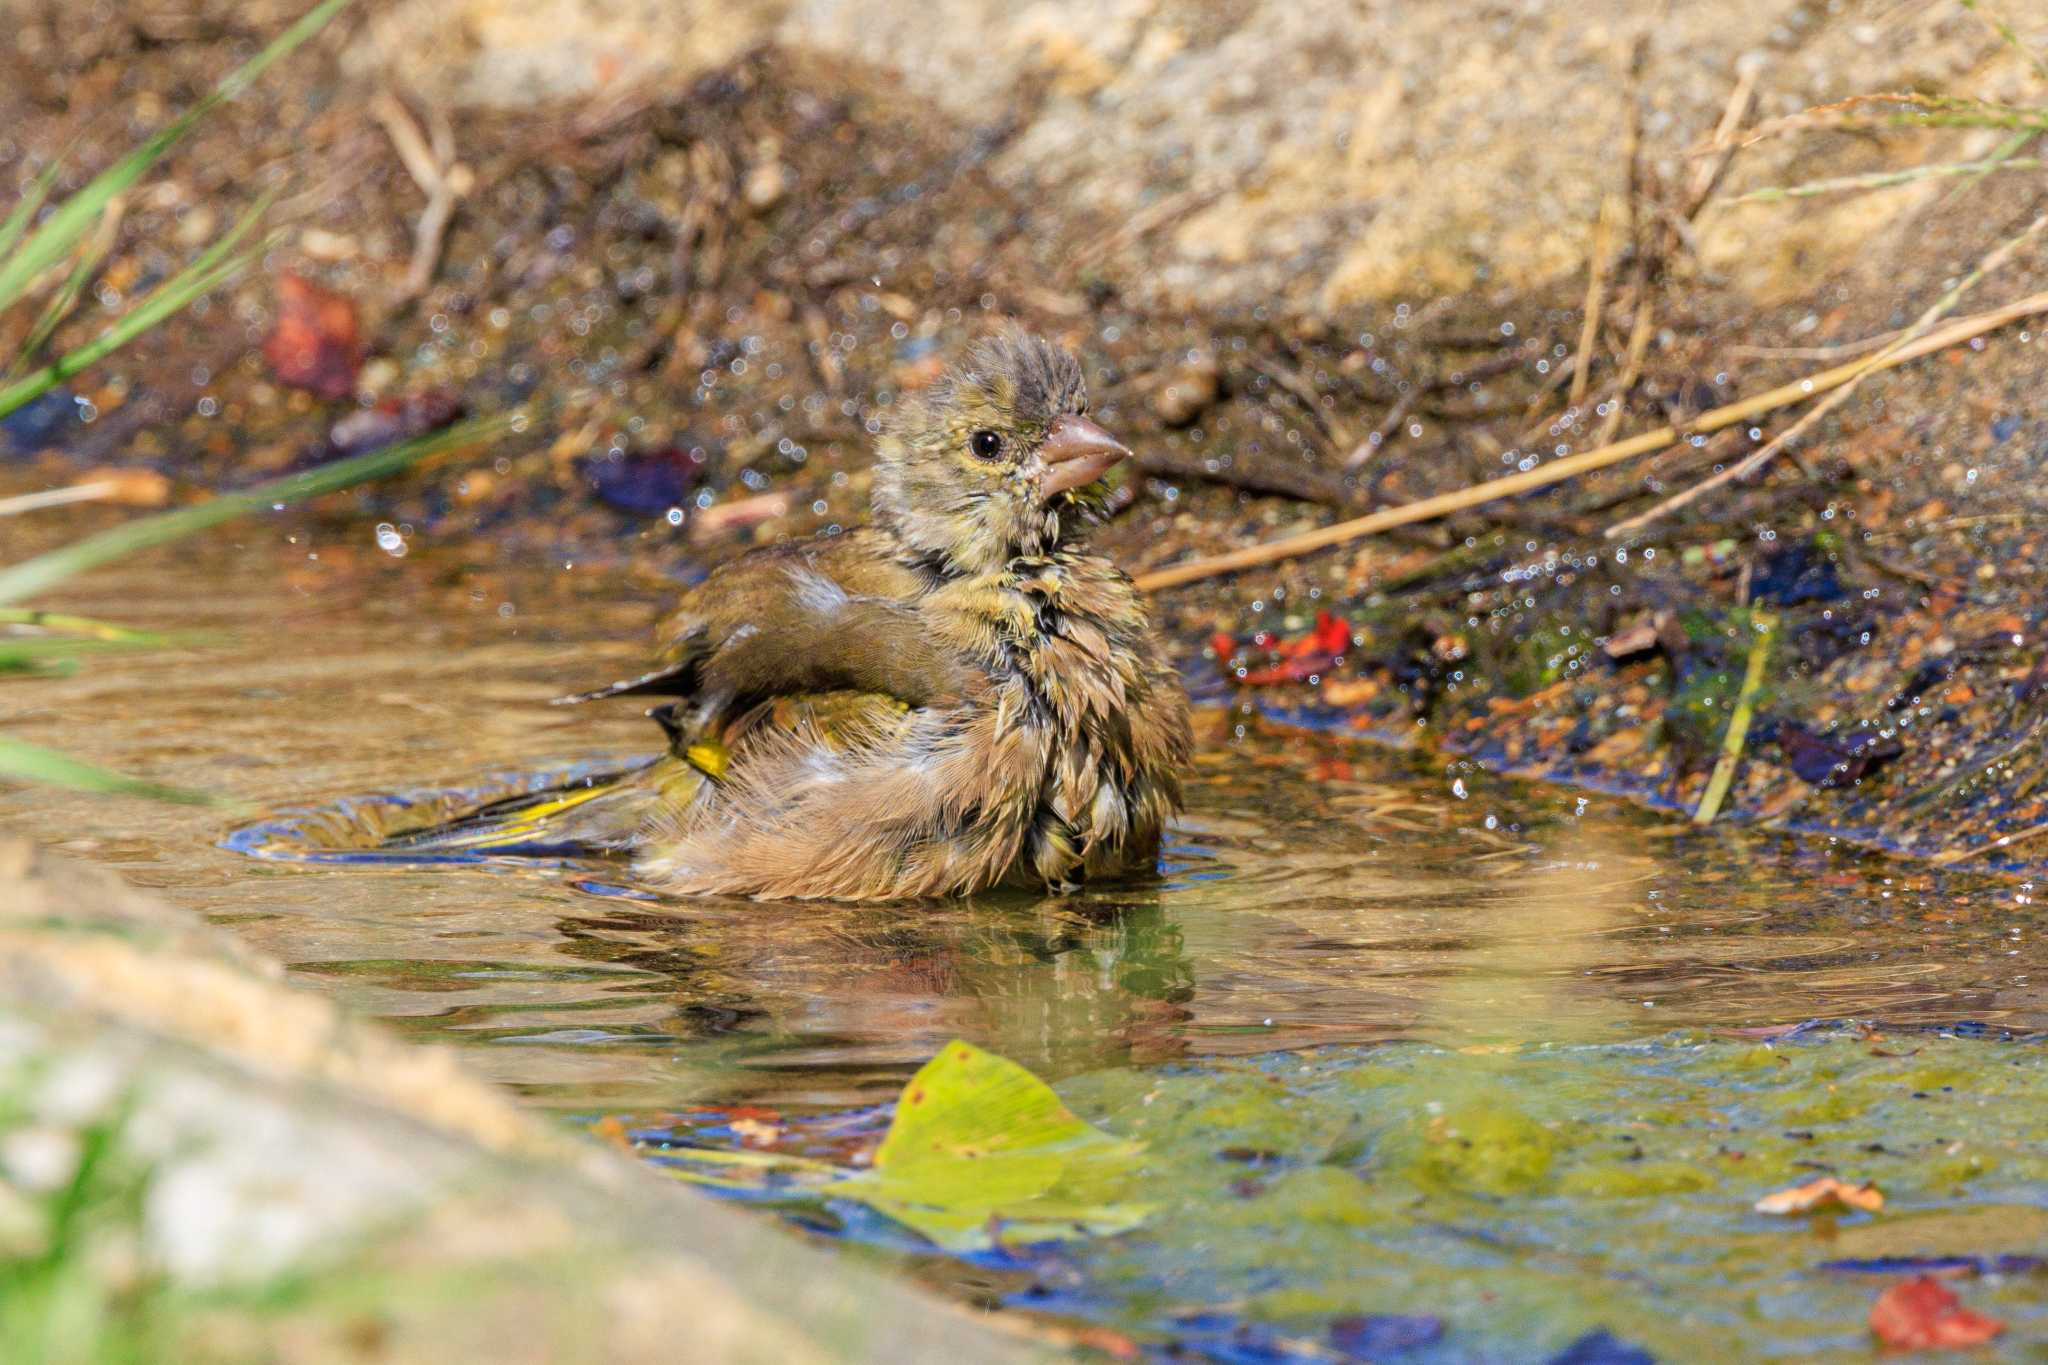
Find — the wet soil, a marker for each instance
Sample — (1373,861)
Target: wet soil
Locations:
(712,297)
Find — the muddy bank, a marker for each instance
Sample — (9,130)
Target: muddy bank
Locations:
(713,271)
(230,1169)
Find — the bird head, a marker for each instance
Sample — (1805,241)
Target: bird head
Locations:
(996,460)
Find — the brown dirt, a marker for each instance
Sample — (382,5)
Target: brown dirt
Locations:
(719,280)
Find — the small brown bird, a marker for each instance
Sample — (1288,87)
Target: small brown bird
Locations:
(954,698)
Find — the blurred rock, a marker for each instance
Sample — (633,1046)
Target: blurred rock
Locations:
(765,186)
(1189,391)
(318,1163)
(393,420)
(649,482)
(1315,152)
(516,54)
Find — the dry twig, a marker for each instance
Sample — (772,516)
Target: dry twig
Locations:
(434,168)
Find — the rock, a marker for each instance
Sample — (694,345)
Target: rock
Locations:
(765,186)
(517,54)
(1311,153)
(274,1143)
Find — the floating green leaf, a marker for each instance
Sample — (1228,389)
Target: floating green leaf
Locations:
(980,1151)
(979,1146)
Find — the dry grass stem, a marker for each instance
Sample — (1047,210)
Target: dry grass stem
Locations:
(435,169)
(1597,267)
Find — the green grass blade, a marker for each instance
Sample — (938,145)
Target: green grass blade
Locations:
(21,762)
(2007,35)
(61,302)
(2003,153)
(76,625)
(47,570)
(32,651)
(210,269)
(1878,180)
(31,199)
(50,242)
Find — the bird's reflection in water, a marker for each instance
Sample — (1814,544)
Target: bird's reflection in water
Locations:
(1315,892)
(1060,983)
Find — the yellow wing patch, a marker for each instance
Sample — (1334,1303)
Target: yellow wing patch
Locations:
(709,757)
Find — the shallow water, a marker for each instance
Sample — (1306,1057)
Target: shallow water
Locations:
(1318,892)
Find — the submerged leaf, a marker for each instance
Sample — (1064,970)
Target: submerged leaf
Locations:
(1924,1314)
(981,1148)
(1822,1193)
(1304,657)
(1602,1347)
(980,1151)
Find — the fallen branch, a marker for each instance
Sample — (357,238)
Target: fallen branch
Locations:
(1557,471)
(1951,856)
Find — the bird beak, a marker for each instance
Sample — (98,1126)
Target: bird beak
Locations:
(1077,452)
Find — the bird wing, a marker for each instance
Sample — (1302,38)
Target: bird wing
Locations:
(811,618)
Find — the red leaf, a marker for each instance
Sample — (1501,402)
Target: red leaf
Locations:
(1297,669)
(1332,633)
(315,344)
(1924,1314)
(1223,646)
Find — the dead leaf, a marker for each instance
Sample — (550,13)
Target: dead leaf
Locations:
(721,517)
(131,487)
(1306,656)
(1924,1314)
(315,344)
(1820,1194)
(754,1133)
(1625,644)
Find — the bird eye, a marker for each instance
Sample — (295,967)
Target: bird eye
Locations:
(986,444)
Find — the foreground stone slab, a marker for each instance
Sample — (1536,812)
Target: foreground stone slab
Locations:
(269,1178)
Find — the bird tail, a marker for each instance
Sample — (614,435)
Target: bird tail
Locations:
(601,813)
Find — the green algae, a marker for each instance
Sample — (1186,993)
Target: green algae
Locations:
(1533,1195)
(1525,1195)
